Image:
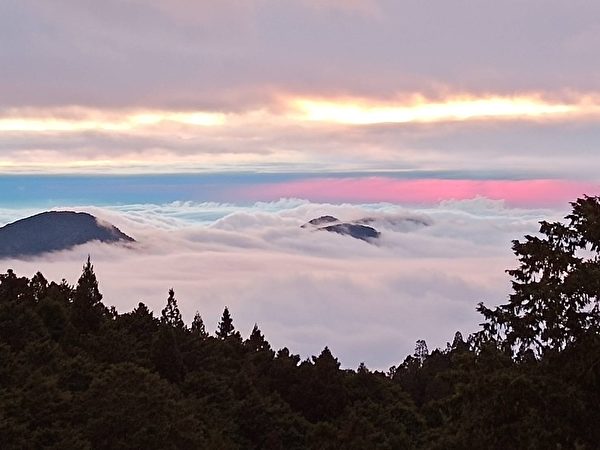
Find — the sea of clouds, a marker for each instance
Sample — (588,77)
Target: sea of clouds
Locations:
(305,288)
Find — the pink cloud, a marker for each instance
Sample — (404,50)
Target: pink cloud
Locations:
(382,189)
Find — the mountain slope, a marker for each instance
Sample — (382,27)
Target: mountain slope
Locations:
(334,225)
(53,231)
(357,231)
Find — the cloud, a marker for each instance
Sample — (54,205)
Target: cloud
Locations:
(309,289)
(270,141)
(235,54)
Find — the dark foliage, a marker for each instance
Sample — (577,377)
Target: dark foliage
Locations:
(75,374)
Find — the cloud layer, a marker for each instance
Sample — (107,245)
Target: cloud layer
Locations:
(309,289)
(231,54)
(331,86)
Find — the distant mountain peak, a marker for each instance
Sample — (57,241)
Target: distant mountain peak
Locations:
(321,221)
(54,231)
(334,225)
(357,231)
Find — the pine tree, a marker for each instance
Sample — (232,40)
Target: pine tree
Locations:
(226,328)
(88,311)
(458,343)
(13,287)
(556,288)
(421,351)
(39,286)
(170,315)
(141,321)
(326,360)
(257,342)
(198,327)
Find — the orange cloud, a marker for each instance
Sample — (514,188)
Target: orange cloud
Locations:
(364,112)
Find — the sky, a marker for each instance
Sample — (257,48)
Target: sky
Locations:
(192,112)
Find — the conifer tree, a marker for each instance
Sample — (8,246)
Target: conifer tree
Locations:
(170,315)
(362,369)
(421,351)
(326,360)
(556,288)
(257,342)
(142,310)
(13,287)
(88,309)
(198,327)
(458,343)
(226,327)
(39,286)
(142,321)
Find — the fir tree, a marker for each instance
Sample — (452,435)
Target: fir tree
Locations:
(556,298)
(170,315)
(421,351)
(88,310)
(362,369)
(458,343)
(198,327)
(257,342)
(226,328)
(326,360)
(141,321)
(39,286)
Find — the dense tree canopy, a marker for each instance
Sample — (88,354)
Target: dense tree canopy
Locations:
(556,288)
(75,374)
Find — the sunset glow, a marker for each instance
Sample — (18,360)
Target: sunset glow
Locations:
(298,110)
(108,121)
(366,113)
(382,189)
(340,181)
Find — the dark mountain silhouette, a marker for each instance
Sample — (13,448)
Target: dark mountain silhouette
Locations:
(357,231)
(321,221)
(334,225)
(53,231)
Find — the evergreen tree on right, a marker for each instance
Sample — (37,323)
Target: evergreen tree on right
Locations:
(556,288)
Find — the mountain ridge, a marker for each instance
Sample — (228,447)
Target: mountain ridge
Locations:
(332,224)
(51,231)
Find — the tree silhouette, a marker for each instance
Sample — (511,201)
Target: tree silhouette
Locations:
(198,327)
(257,342)
(556,287)
(141,321)
(139,382)
(458,343)
(421,351)
(87,310)
(170,315)
(225,328)
(39,286)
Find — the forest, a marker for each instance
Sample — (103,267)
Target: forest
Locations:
(76,374)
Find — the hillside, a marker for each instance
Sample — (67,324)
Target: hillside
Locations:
(53,231)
